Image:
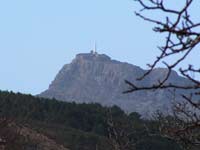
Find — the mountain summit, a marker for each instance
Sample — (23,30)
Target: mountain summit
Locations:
(96,78)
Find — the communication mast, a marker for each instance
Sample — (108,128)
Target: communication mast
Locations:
(94,51)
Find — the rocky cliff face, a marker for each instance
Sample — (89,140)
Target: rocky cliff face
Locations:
(95,78)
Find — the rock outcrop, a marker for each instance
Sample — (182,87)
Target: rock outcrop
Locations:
(96,78)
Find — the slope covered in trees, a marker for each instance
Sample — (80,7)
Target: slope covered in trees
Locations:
(82,126)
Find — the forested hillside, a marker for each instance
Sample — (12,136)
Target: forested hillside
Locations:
(81,126)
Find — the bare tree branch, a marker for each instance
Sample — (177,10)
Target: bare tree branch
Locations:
(182,37)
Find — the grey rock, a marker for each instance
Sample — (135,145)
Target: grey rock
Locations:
(96,78)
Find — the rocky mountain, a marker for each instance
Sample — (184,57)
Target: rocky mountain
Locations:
(96,78)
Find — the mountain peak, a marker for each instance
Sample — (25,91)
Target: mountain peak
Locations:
(96,78)
(92,56)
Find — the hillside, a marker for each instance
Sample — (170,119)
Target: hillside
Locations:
(40,124)
(96,78)
(18,136)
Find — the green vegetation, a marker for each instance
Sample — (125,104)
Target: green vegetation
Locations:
(80,126)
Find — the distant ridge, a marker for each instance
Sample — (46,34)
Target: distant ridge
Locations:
(96,78)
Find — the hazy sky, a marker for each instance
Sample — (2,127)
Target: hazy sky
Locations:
(37,37)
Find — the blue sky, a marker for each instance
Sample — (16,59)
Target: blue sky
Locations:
(37,37)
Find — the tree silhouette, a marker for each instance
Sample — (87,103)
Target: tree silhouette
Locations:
(182,36)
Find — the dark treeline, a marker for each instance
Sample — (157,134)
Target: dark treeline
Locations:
(81,126)
(86,117)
